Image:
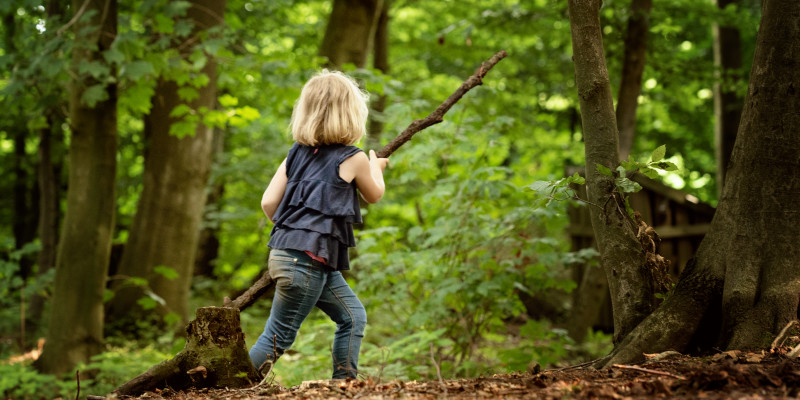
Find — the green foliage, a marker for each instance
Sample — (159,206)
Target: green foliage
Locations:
(442,258)
(105,372)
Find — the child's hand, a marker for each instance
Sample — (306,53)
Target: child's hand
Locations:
(374,161)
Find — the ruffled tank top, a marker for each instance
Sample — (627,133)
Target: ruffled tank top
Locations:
(318,208)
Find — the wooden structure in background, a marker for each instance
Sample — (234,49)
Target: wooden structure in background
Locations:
(681,221)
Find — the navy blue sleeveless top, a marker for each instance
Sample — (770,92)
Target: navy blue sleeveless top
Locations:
(319,208)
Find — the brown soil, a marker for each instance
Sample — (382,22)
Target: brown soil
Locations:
(728,375)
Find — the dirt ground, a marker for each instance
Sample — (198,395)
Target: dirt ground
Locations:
(728,375)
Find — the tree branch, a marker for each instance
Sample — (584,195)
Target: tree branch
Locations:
(437,115)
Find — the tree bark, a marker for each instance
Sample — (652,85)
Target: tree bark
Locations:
(632,68)
(746,271)
(50,143)
(76,321)
(215,355)
(621,255)
(166,227)
(350,31)
(762,279)
(208,244)
(727,103)
(381,63)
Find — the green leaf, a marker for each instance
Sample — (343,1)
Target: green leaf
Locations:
(658,154)
(227,100)
(604,170)
(114,56)
(188,93)
(666,166)
(96,69)
(147,303)
(649,172)
(627,186)
(166,272)
(576,179)
(180,110)
(136,70)
(137,281)
(540,186)
(94,94)
(163,24)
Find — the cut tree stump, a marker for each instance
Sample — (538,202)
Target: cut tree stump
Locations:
(215,355)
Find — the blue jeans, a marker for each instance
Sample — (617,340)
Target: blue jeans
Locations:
(301,284)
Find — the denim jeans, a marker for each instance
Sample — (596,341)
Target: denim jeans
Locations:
(301,284)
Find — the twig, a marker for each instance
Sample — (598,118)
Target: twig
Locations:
(581,365)
(649,371)
(78,378)
(77,15)
(784,334)
(438,371)
(437,115)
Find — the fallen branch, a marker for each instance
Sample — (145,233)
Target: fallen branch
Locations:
(249,297)
(784,334)
(649,371)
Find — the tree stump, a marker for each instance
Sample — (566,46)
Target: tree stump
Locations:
(214,356)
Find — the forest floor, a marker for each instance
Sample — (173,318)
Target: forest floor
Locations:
(727,375)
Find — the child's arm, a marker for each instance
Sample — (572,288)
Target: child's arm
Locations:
(368,173)
(274,193)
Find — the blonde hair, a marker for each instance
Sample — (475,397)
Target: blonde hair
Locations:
(331,109)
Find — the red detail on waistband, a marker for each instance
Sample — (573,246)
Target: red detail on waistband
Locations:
(315,258)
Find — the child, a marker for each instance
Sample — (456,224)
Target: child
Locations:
(313,203)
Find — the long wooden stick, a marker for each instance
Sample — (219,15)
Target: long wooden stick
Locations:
(437,115)
(249,297)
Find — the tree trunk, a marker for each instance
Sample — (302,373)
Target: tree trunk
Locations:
(214,356)
(50,140)
(208,244)
(381,63)
(632,68)
(746,270)
(621,255)
(76,321)
(350,31)
(727,103)
(166,227)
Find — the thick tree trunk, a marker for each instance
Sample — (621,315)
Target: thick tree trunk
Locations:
(166,227)
(727,103)
(350,31)
(762,280)
(215,355)
(746,269)
(632,68)
(621,255)
(76,321)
